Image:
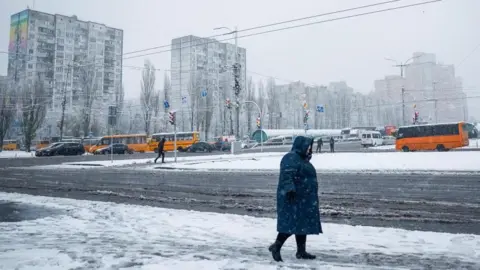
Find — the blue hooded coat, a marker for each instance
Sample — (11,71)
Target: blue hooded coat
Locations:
(302,216)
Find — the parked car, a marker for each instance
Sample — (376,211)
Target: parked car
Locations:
(200,147)
(249,144)
(389,140)
(61,149)
(118,148)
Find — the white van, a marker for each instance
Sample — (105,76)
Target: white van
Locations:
(371,138)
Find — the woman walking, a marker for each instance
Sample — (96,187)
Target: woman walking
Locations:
(297,200)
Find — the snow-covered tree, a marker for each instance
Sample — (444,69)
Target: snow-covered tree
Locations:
(7,110)
(34,109)
(147,94)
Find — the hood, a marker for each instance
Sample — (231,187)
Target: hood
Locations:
(301,144)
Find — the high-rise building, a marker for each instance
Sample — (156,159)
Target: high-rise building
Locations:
(74,58)
(437,90)
(202,78)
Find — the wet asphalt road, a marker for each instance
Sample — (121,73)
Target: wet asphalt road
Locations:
(443,203)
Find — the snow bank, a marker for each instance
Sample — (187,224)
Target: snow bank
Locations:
(125,162)
(98,235)
(376,161)
(16,154)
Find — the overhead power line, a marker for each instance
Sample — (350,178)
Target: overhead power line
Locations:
(293,27)
(274,24)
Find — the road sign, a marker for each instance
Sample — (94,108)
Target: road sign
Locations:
(320,108)
(166,104)
(184,100)
(112,115)
(204,93)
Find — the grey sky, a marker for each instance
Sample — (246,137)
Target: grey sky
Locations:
(351,50)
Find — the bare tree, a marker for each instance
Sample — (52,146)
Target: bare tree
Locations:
(272,103)
(157,105)
(89,89)
(250,108)
(119,103)
(147,94)
(7,110)
(64,101)
(34,109)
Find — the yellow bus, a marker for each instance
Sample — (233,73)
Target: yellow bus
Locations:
(10,145)
(184,140)
(136,142)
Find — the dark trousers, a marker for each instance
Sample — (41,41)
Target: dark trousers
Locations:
(332,148)
(161,154)
(300,238)
(319,148)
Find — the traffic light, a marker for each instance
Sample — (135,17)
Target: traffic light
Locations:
(171,116)
(305,118)
(259,123)
(228,103)
(415,118)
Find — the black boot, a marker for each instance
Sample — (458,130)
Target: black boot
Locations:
(301,248)
(275,250)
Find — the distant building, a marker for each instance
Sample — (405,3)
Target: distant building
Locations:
(425,80)
(48,45)
(439,93)
(201,80)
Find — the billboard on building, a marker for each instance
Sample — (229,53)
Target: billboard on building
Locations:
(17,47)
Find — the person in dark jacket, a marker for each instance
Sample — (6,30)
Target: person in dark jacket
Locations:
(332,145)
(297,199)
(161,153)
(319,145)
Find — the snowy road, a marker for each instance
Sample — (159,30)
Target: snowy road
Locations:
(443,203)
(97,235)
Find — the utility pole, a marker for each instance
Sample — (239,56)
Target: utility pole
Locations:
(64,101)
(403,105)
(435,102)
(401,66)
(237,88)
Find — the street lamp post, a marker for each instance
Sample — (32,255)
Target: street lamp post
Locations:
(236,67)
(260,113)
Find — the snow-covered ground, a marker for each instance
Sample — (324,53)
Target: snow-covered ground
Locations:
(125,162)
(98,235)
(16,154)
(22,154)
(473,143)
(340,162)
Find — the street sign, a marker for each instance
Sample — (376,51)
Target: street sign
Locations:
(204,93)
(184,100)
(166,104)
(112,115)
(320,108)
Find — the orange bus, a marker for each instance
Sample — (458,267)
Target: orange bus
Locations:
(440,137)
(136,142)
(184,140)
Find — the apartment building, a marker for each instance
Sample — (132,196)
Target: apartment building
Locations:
(202,78)
(67,54)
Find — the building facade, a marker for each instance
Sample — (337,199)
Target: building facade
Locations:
(75,59)
(202,79)
(431,88)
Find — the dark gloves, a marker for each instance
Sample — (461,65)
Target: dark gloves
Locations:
(309,156)
(290,196)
